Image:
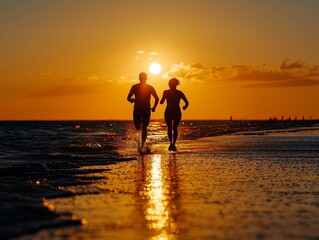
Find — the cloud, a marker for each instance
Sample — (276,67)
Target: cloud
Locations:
(153,53)
(259,75)
(92,84)
(287,74)
(122,80)
(47,73)
(143,55)
(80,79)
(93,78)
(67,90)
(287,83)
(287,65)
(195,72)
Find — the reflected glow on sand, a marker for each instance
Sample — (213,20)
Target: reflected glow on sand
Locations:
(158,200)
(157,213)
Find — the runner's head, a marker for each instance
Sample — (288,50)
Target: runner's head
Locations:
(143,77)
(173,82)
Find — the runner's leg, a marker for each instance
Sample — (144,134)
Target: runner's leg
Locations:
(168,121)
(176,122)
(145,121)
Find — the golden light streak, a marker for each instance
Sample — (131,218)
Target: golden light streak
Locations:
(157,213)
(158,208)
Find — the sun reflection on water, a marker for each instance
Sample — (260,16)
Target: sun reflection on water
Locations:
(158,194)
(157,213)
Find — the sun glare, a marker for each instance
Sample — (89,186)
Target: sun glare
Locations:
(155,68)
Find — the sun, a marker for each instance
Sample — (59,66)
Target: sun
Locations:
(155,68)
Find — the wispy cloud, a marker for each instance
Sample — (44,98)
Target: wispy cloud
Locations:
(92,84)
(287,74)
(143,55)
(195,72)
(153,53)
(67,90)
(47,73)
(81,79)
(287,65)
(124,80)
(67,86)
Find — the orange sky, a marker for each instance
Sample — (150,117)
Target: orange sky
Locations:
(78,59)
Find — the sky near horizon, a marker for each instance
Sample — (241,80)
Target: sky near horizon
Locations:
(76,59)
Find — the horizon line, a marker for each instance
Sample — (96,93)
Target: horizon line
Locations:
(213,119)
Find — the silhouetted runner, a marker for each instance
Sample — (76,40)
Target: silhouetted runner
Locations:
(173,114)
(142,104)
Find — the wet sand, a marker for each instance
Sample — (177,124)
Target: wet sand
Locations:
(231,187)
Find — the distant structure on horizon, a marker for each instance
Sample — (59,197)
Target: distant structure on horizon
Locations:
(282,118)
(289,119)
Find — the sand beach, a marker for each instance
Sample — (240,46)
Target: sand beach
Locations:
(243,185)
(247,186)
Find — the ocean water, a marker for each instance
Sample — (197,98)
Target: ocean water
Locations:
(34,141)
(43,162)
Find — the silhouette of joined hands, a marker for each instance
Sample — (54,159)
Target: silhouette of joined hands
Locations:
(153,109)
(184,107)
(132,100)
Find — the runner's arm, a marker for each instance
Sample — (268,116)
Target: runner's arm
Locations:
(163,98)
(130,95)
(154,94)
(185,100)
